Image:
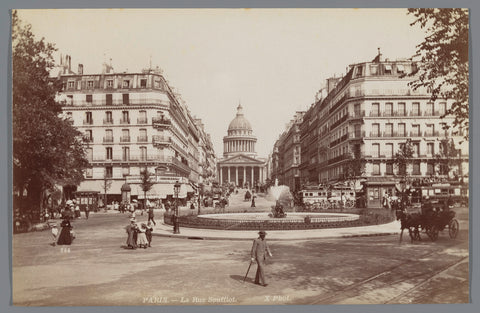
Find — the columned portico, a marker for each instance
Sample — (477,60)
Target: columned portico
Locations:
(241,171)
(240,158)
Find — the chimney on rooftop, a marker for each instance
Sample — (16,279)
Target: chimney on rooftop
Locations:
(80,69)
(378,58)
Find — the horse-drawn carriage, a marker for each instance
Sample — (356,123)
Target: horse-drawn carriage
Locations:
(434,217)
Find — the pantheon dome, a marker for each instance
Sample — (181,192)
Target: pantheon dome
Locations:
(239,139)
(239,125)
(240,164)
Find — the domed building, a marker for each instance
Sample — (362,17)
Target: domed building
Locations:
(240,164)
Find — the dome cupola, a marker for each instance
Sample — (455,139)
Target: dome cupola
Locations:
(239,125)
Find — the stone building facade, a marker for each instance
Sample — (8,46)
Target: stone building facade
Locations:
(373,110)
(240,165)
(131,122)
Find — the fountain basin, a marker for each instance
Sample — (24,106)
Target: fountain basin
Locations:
(292,217)
(261,220)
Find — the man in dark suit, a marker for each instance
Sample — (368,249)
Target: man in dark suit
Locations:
(258,253)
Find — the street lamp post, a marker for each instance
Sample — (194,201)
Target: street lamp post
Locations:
(176,224)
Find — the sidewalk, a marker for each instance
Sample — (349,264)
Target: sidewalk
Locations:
(165,230)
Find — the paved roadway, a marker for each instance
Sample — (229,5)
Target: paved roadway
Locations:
(99,271)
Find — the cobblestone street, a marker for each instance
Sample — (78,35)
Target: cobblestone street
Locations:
(97,270)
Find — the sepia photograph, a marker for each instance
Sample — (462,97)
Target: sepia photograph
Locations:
(240,156)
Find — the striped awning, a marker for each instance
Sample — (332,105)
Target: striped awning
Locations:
(161,191)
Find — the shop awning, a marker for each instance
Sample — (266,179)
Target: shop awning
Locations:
(161,191)
(98,185)
(158,190)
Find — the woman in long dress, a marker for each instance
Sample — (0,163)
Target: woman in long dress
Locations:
(131,230)
(142,238)
(65,237)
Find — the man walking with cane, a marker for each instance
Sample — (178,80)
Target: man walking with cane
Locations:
(258,254)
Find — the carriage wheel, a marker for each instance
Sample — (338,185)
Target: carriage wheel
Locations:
(349,204)
(453,228)
(432,232)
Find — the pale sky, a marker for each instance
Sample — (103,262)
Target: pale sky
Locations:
(273,61)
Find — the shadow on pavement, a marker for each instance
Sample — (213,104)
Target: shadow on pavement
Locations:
(240,278)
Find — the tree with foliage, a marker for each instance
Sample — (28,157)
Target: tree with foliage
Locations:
(448,159)
(146,183)
(47,149)
(354,167)
(443,67)
(106,184)
(402,160)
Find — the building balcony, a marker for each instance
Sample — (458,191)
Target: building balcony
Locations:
(357,114)
(179,149)
(107,139)
(107,122)
(181,165)
(374,114)
(338,159)
(142,120)
(338,103)
(142,139)
(415,113)
(87,138)
(161,141)
(356,135)
(115,102)
(129,159)
(434,133)
(340,121)
(161,122)
(125,121)
(375,134)
(415,134)
(394,134)
(87,122)
(338,141)
(125,139)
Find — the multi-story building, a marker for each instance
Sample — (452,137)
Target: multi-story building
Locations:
(309,129)
(208,162)
(278,153)
(372,109)
(131,122)
(287,154)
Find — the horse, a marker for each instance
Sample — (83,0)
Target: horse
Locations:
(412,222)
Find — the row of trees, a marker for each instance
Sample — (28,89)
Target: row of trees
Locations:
(447,160)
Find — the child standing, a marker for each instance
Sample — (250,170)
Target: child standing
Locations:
(148,233)
(54,234)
